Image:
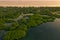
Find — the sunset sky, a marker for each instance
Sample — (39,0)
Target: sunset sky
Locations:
(29,3)
(29,0)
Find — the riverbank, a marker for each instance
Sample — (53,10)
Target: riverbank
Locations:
(21,23)
(46,31)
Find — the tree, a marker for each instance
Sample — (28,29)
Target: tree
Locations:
(15,34)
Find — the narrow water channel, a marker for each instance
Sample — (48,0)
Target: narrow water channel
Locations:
(2,32)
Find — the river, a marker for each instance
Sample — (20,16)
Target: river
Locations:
(46,31)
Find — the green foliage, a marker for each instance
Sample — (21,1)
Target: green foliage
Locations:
(17,29)
(15,34)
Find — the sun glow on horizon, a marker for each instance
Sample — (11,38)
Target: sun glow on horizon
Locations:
(29,3)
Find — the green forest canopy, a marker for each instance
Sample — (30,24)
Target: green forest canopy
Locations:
(16,29)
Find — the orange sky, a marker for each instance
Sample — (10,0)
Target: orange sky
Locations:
(29,0)
(30,3)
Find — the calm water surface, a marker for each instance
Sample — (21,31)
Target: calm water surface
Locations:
(46,31)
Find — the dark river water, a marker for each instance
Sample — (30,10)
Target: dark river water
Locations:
(46,31)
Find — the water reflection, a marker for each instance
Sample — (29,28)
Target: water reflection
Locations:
(46,31)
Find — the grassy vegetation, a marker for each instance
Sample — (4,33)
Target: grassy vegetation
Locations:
(17,29)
